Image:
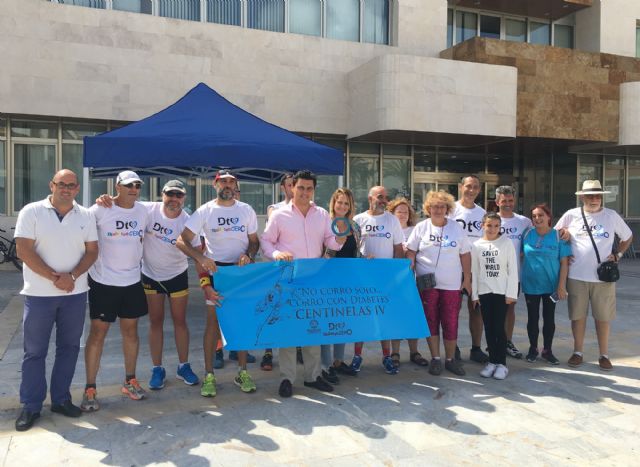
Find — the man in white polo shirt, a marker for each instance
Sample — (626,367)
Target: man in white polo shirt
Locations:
(57,241)
(115,287)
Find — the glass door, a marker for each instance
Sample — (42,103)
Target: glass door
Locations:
(34,166)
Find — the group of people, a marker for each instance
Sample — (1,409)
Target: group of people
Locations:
(126,256)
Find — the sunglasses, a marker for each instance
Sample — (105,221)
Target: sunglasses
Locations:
(66,186)
(174,194)
(136,185)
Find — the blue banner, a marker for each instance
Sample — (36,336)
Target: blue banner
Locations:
(318,301)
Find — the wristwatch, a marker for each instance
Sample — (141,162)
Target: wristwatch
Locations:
(620,255)
(73,278)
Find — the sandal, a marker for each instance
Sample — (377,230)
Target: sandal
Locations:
(418,359)
(395,358)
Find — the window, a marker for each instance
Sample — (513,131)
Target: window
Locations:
(89,3)
(343,19)
(135,6)
(376,21)
(180,9)
(364,172)
(3,176)
(25,129)
(224,12)
(490,27)
(424,159)
(515,30)
(34,165)
(305,17)
(72,150)
(539,33)
(265,14)
(634,186)
(637,40)
(466,26)
(563,36)
(614,182)
(449,27)
(327,184)
(396,171)
(460,162)
(564,182)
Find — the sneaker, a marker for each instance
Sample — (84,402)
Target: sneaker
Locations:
(90,401)
(356,363)
(244,381)
(133,390)
(233,355)
(187,375)
(501,372)
(219,360)
(158,377)
(330,375)
(457,356)
(454,367)
(435,367)
(513,351)
(605,363)
(389,367)
(488,370)
(267,361)
(548,356)
(345,369)
(532,356)
(575,360)
(478,356)
(208,388)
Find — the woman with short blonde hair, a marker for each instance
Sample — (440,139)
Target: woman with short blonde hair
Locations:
(438,196)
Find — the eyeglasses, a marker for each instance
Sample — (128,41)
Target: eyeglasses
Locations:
(136,185)
(66,186)
(174,194)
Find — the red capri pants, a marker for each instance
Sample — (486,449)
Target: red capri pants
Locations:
(441,308)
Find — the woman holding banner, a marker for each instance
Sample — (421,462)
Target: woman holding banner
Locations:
(402,209)
(341,207)
(440,253)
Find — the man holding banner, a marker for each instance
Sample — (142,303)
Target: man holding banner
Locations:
(299,230)
(229,228)
(382,237)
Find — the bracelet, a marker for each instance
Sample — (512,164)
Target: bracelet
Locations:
(73,278)
(205,281)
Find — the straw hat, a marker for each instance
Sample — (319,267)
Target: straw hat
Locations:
(591,187)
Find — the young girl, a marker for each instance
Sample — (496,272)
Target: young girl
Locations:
(494,273)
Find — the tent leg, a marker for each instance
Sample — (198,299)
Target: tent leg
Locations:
(86,187)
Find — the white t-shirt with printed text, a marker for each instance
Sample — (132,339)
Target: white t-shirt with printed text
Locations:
(441,246)
(513,228)
(120,235)
(604,225)
(379,234)
(225,229)
(469,219)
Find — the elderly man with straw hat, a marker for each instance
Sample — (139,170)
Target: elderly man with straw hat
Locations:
(592,228)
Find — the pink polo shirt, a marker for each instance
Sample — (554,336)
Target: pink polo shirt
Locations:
(302,236)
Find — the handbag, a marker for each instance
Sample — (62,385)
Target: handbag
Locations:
(607,271)
(428,280)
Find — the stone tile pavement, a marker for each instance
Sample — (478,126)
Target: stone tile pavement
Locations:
(540,415)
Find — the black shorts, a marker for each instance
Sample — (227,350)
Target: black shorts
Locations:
(108,302)
(175,287)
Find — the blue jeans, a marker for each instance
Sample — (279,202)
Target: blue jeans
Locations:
(40,314)
(325,354)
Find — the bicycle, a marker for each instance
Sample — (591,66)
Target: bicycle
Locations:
(8,250)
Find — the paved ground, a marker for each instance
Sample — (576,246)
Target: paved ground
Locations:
(540,415)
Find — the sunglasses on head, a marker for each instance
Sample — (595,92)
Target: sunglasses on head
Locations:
(174,194)
(136,185)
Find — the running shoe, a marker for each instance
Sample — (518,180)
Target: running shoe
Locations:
(435,366)
(501,372)
(513,351)
(345,369)
(219,360)
(356,363)
(330,375)
(267,361)
(548,356)
(158,377)
(532,356)
(454,367)
(389,367)
(186,374)
(208,388)
(90,400)
(244,381)
(478,356)
(133,390)
(489,370)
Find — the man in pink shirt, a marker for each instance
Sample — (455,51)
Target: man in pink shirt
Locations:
(300,230)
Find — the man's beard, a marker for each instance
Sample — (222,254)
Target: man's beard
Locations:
(225,194)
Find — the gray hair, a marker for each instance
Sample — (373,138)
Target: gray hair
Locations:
(505,190)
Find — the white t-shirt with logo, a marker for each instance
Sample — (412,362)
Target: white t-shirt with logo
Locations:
(513,228)
(161,259)
(379,234)
(442,246)
(120,234)
(469,219)
(225,229)
(604,225)
(60,244)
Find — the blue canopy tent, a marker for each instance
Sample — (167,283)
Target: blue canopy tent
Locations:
(202,133)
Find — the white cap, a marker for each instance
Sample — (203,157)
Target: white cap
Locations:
(127,176)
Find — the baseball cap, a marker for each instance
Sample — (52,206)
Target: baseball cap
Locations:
(174,185)
(224,174)
(127,176)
